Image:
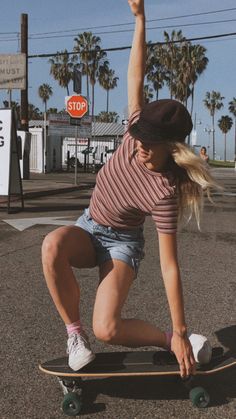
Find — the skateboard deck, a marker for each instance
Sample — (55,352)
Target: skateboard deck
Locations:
(110,364)
(130,364)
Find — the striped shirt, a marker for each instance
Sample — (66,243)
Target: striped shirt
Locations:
(127,191)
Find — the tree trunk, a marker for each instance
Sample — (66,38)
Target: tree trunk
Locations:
(192,96)
(87,88)
(213,136)
(225,149)
(235,139)
(93,84)
(107,99)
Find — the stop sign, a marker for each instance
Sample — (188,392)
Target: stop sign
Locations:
(76,106)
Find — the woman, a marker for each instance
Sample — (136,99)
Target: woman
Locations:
(203,154)
(152,172)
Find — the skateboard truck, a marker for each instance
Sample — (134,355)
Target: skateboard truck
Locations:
(72,390)
(198,395)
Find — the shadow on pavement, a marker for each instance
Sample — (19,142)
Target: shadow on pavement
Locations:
(221,386)
(227,338)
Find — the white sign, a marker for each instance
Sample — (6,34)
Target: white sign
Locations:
(10,179)
(60,125)
(5,146)
(12,71)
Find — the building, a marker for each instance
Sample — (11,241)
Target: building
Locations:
(93,143)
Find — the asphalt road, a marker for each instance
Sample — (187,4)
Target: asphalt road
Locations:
(31,330)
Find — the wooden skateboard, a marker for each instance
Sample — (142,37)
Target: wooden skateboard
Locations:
(130,364)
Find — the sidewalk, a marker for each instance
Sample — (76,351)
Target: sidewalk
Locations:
(41,184)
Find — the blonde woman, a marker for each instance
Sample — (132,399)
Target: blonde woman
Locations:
(151,173)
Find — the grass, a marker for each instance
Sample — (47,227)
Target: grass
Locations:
(220,163)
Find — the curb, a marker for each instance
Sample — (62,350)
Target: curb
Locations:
(48,192)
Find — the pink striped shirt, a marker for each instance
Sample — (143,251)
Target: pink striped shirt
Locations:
(126,191)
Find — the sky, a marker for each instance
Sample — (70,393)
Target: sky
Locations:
(68,18)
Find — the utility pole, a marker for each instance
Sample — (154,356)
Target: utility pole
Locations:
(24,93)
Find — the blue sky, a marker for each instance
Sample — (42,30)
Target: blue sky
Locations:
(57,15)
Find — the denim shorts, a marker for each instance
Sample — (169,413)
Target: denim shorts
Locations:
(109,243)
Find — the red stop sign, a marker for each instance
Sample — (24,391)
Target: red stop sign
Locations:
(76,106)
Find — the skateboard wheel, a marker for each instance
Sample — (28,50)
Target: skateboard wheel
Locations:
(72,404)
(199,397)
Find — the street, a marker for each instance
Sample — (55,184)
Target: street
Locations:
(31,331)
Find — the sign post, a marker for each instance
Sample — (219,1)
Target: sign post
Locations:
(10,176)
(77,107)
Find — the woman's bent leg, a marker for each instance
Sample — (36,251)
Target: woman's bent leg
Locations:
(63,248)
(116,280)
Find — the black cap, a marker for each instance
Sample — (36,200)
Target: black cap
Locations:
(162,120)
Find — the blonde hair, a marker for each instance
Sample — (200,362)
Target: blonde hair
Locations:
(193,179)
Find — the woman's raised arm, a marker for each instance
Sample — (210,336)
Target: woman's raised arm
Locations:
(137,60)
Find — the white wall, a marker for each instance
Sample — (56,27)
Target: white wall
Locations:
(36,150)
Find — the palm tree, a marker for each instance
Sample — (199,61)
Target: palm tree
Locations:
(170,58)
(107,117)
(34,113)
(95,70)
(45,92)
(14,105)
(107,80)
(91,57)
(225,124)
(52,111)
(62,67)
(155,71)
(213,102)
(192,65)
(232,109)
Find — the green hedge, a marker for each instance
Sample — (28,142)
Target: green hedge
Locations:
(220,163)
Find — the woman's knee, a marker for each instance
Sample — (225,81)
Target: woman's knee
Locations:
(52,246)
(106,331)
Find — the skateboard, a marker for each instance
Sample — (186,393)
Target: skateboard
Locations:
(130,364)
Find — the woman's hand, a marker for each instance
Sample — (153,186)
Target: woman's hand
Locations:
(137,7)
(182,349)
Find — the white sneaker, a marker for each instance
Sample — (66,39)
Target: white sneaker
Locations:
(202,349)
(79,351)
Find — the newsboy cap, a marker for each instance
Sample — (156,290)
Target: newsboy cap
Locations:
(162,120)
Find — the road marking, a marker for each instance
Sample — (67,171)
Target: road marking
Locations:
(24,223)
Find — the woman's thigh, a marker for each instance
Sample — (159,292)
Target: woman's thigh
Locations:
(116,278)
(72,243)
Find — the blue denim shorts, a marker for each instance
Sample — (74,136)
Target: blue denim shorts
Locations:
(109,243)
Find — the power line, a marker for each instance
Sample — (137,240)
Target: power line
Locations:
(9,33)
(151,44)
(130,30)
(132,23)
(34,35)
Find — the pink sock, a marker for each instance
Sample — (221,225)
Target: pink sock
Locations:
(168,339)
(74,328)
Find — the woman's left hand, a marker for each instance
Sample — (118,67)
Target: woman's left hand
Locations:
(182,349)
(137,7)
